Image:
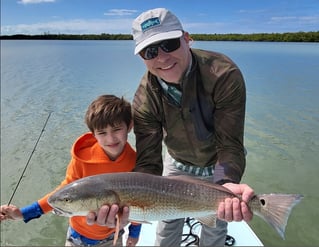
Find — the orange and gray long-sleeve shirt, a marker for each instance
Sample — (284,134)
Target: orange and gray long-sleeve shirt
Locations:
(88,158)
(205,129)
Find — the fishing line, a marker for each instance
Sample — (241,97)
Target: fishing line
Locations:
(192,238)
(25,167)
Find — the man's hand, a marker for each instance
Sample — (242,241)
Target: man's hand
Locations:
(232,209)
(106,216)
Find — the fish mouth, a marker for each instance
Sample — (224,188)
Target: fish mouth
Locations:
(60,212)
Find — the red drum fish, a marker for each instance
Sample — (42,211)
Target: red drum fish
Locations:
(153,198)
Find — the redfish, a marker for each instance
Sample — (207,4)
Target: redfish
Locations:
(153,198)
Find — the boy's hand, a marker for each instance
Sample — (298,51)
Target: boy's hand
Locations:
(106,216)
(10,212)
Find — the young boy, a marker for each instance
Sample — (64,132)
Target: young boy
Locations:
(104,150)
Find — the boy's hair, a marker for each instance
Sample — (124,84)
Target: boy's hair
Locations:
(108,110)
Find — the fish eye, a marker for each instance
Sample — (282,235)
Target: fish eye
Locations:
(67,200)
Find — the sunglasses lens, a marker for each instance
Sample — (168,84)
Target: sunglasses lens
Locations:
(168,45)
(149,52)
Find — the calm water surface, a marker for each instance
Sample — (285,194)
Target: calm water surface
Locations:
(63,77)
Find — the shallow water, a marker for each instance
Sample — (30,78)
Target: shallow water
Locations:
(37,77)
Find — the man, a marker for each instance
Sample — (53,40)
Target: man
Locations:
(194,101)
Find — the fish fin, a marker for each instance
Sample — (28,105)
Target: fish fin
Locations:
(276,209)
(209,220)
(117,230)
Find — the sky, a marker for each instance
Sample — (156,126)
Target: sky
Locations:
(199,16)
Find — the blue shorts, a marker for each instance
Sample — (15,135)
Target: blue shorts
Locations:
(80,240)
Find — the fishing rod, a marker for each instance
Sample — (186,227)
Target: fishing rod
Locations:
(26,165)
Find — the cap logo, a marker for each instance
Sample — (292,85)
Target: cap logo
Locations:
(150,23)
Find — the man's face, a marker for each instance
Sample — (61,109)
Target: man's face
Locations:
(171,66)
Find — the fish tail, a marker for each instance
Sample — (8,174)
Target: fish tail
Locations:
(275,209)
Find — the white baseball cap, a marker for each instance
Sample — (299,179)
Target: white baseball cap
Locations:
(155,25)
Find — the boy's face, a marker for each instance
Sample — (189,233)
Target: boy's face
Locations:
(113,139)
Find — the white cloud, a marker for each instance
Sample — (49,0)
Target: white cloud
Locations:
(283,18)
(76,26)
(35,1)
(123,25)
(252,11)
(297,20)
(120,12)
(310,19)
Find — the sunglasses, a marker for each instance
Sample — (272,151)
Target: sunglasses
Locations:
(168,45)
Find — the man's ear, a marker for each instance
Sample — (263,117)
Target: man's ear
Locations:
(187,37)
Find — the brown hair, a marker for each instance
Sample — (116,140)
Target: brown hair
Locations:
(108,110)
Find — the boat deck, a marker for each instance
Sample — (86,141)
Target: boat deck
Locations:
(240,231)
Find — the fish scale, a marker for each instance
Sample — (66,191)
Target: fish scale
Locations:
(162,201)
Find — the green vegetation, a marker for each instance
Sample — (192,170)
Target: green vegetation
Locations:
(278,37)
(47,36)
(270,37)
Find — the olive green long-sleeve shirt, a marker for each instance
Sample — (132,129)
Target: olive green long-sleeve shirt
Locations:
(206,129)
